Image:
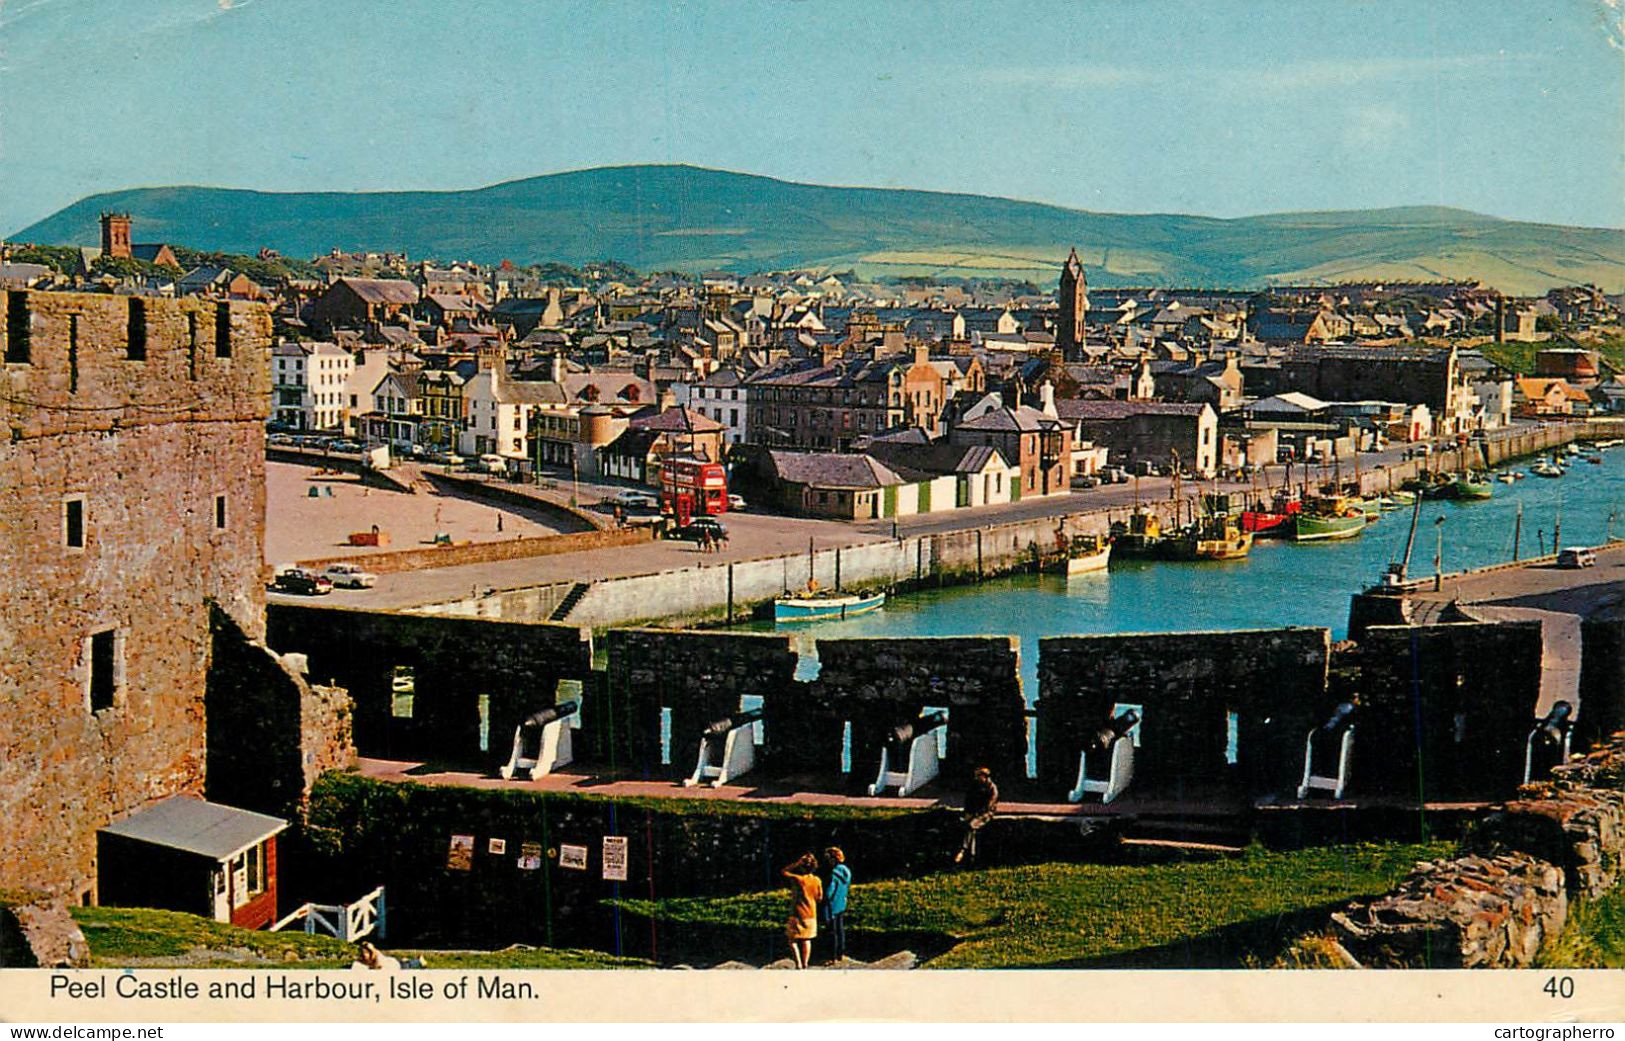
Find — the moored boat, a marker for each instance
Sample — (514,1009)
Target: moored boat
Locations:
(1211,538)
(1328,518)
(1140,536)
(1546,468)
(1086,554)
(810,607)
(1473,486)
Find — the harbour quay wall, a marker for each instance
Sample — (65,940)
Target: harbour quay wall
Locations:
(725,592)
(394,561)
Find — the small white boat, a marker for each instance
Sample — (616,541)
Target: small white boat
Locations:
(811,607)
(1086,554)
(1545,468)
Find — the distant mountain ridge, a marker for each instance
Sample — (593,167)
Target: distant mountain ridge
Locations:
(692,219)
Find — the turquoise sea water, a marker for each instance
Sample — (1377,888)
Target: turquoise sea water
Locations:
(1282,583)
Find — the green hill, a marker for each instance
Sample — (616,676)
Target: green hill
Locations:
(687,218)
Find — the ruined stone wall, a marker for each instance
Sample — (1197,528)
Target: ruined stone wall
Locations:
(1508,892)
(876,684)
(701,677)
(1274,681)
(518,668)
(1446,709)
(148,445)
(270,734)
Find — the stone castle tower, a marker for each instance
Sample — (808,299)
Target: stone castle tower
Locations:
(1074,300)
(115,234)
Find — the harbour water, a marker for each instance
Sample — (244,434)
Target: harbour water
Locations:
(1281,583)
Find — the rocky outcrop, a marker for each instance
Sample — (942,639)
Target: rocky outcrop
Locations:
(41,935)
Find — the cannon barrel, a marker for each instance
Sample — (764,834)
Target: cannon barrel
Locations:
(1117,727)
(720,727)
(562,710)
(903,733)
(1555,724)
(1340,716)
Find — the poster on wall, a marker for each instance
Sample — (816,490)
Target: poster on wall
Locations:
(573,857)
(530,856)
(615,858)
(496,847)
(460,857)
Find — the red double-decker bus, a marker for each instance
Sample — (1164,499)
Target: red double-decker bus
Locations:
(692,488)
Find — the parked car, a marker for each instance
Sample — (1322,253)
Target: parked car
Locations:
(632,499)
(303,581)
(446,458)
(698,528)
(493,464)
(350,576)
(736,502)
(1576,557)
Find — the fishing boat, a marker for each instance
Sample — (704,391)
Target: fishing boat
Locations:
(1140,536)
(1402,498)
(815,606)
(1211,538)
(1472,486)
(1328,518)
(1506,478)
(1085,554)
(1273,519)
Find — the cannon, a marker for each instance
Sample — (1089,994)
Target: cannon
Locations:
(541,743)
(917,746)
(1548,743)
(1335,740)
(1112,745)
(727,749)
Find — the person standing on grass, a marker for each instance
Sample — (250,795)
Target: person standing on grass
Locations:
(806,892)
(981,803)
(834,906)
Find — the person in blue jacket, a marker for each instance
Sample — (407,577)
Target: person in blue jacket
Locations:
(834,906)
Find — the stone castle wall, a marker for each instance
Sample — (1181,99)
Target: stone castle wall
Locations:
(1188,685)
(147,445)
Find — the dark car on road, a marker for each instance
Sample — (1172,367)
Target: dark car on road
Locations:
(698,528)
(299,580)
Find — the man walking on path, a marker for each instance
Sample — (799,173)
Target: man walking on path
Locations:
(981,803)
(834,906)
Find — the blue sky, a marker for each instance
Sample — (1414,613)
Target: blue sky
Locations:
(1226,109)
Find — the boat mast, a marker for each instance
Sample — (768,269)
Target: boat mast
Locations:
(1410,539)
(1517,530)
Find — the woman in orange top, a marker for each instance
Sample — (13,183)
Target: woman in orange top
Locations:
(806,893)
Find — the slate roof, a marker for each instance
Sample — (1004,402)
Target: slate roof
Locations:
(382,290)
(1110,410)
(195,826)
(833,470)
(677,421)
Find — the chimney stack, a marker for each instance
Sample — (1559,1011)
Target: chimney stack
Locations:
(1046,398)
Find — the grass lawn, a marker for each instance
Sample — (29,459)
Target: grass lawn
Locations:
(1592,938)
(1237,911)
(122,936)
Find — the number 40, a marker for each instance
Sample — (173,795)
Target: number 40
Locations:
(1560,986)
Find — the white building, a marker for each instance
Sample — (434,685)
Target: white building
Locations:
(499,411)
(1494,402)
(721,396)
(310,385)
